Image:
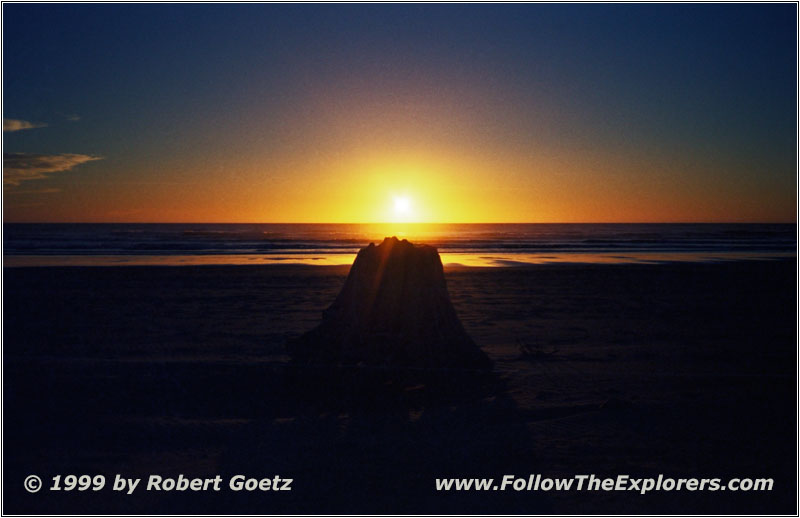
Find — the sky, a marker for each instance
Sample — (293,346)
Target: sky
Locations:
(415,112)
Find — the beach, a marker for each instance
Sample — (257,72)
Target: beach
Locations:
(682,369)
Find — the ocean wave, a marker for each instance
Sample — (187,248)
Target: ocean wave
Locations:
(266,239)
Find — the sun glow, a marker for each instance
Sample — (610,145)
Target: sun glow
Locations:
(403,210)
(402,206)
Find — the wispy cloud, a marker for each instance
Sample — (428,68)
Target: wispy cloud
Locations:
(17,125)
(20,167)
(49,190)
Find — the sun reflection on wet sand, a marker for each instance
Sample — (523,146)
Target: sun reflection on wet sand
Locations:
(449,260)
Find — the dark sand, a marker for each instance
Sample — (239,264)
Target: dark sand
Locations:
(683,369)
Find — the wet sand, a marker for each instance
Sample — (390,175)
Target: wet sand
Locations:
(683,369)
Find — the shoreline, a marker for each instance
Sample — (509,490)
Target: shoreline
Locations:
(449,261)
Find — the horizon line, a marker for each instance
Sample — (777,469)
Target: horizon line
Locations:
(401,223)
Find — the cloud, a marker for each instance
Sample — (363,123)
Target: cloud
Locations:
(20,167)
(48,190)
(17,125)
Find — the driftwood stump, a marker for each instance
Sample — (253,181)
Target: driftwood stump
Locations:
(394,310)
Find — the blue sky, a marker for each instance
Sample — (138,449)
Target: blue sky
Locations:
(194,95)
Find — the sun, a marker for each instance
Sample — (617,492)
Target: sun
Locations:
(402,206)
(402,210)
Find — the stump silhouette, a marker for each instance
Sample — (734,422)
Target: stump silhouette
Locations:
(394,310)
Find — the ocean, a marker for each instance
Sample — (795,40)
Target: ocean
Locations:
(89,244)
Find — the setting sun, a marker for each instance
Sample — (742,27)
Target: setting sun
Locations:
(402,206)
(403,210)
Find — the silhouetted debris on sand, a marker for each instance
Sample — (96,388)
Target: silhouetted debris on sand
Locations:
(394,310)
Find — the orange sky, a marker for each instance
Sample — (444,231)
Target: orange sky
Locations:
(441,185)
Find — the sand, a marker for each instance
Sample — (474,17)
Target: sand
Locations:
(683,369)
